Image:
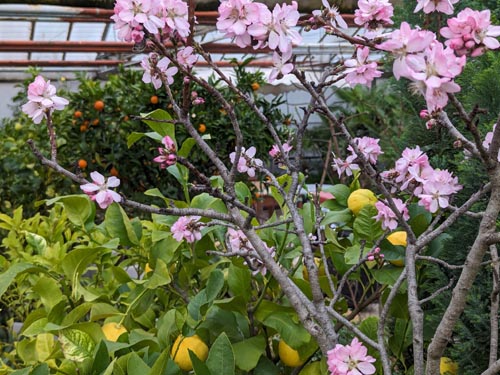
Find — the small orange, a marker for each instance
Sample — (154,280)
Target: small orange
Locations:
(113,171)
(95,122)
(83,128)
(255,86)
(77,114)
(202,128)
(99,105)
(287,121)
(154,99)
(82,163)
(126,118)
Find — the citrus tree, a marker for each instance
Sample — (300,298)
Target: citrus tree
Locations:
(247,293)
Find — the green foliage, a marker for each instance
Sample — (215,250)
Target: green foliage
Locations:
(110,140)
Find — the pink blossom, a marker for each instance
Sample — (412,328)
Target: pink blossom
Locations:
(283,34)
(373,13)
(42,99)
(488,139)
(387,215)
(332,14)
(350,360)
(176,19)
(369,147)
(247,162)
(275,150)
(155,70)
(471,32)
(132,15)
(281,65)
(375,254)
(186,57)
(359,71)
(429,6)
(239,242)
(188,228)
(99,190)
(403,42)
(235,16)
(346,166)
(167,155)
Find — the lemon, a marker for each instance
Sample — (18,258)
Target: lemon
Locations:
(147,269)
(397,239)
(321,269)
(289,356)
(448,367)
(360,198)
(313,368)
(113,330)
(181,347)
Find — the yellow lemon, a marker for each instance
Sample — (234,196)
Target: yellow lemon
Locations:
(321,269)
(448,367)
(181,347)
(397,239)
(113,330)
(147,269)
(360,198)
(289,356)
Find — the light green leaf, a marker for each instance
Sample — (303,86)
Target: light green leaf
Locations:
(365,226)
(161,363)
(49,291)
(76,345)
(221,356)
(162,126)
(119,225)
(44,346)
(38,243)
(186,147)
(215,284)
(387,275)
(79,208)
(12,272)
(239,282)
(136,365)
(199,367)
(249,351)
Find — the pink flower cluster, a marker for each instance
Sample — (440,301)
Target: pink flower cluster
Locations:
(429,6)
(471,33)
(359,70)
(275,153)
(42,99)
(424,60)
(488,139)
(237,241)
(375,254)
(414,174)
(99,190)
(167,155)
(253,24)
(135,17)
(156,71)
(246,163)
(367,146)
(373,14)
(188,228)
(387,215)
(352,359)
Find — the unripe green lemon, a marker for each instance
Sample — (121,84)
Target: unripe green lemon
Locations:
(359,199)
(398,239)
(181,347)
(313,368)
(289,356)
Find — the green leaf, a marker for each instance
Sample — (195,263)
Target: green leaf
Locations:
(135,365)
(79,208)
(42,369)
(76,345)
(101,359)
(239,282)
(119,225)
(243,192)
(186,147)
(160,276)
(12,272)
(38,243)
(133,138)
(45,343)
(180,173)
(196,303)
(365,226)
(339,218)
(49,291)
(248,352)
(162,126)
(369,327)
(221,356)
(215,284)
(160,364)
(199,367)
(401,338)
(387,275)
(352,254)
(340,192)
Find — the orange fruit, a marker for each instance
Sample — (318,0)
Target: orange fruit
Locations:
(126,118)
(99,105)
(95,122)
(82,163)
(154,99)
(77,114)
(113,171)
(83,128)
(255,86)
(202,128)
(287,121)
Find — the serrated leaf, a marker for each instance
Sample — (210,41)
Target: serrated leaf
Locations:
(76,345)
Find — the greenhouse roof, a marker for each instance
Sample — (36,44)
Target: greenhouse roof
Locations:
(59,39)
